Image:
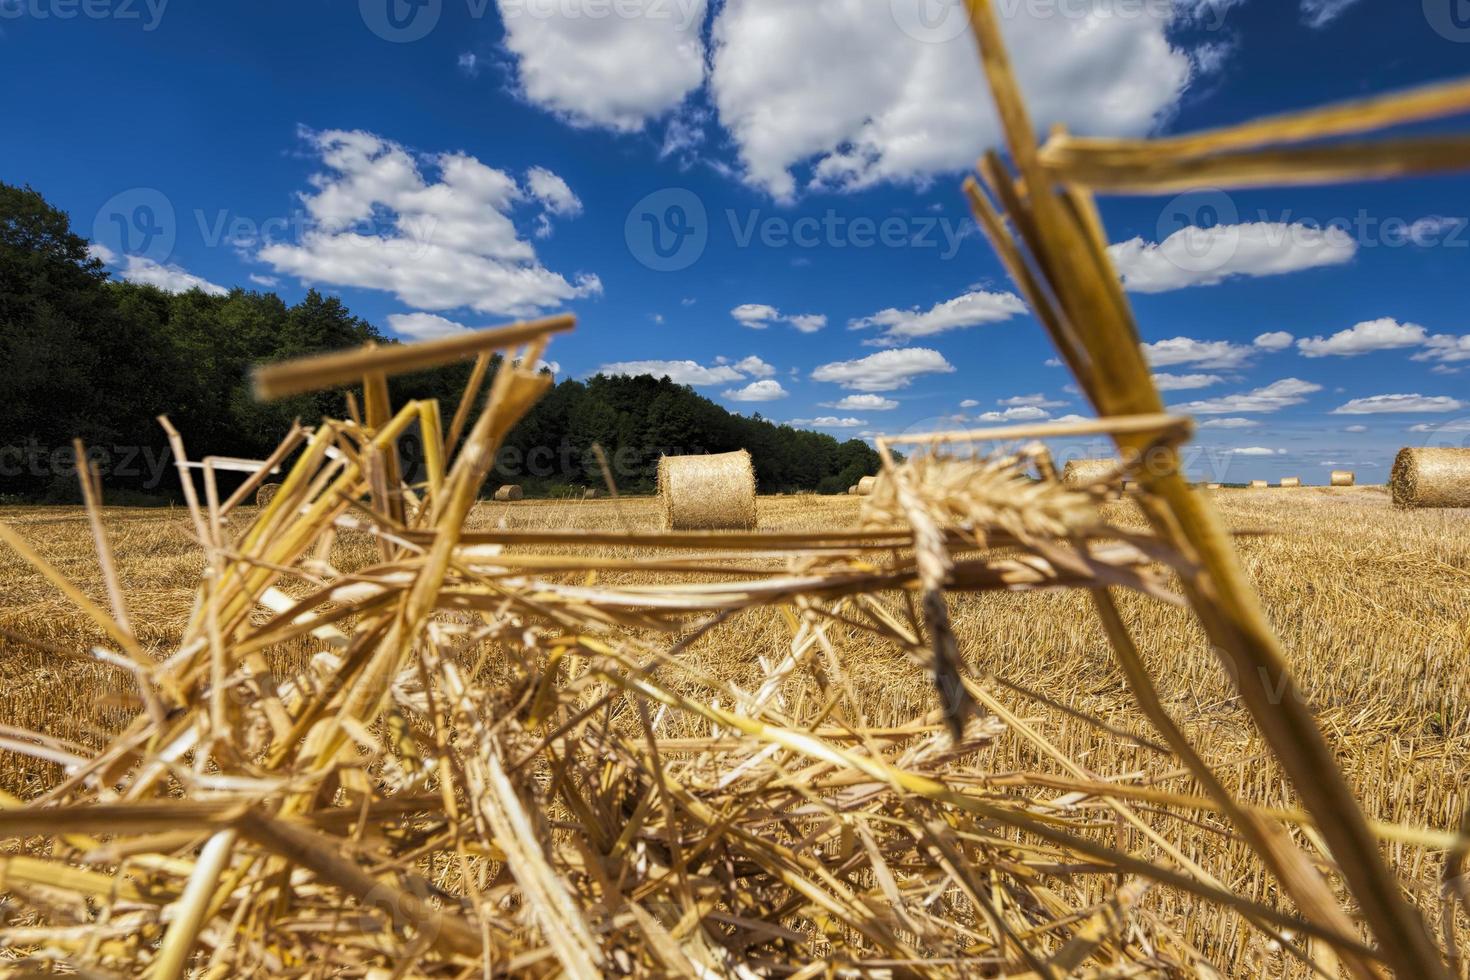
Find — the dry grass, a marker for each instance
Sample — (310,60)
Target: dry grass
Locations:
(1372,604)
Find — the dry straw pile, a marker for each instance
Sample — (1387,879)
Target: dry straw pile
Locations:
(706,493)
(503,757)
(1431,478)
(511,491)
(1291,482)
(1344,478)
(1259,485)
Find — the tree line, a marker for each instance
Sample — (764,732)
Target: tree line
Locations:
(88,356)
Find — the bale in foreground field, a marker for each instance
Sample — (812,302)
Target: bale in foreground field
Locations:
(266,494)
(866,486)
(511,491)
(1259,484)
(1087,472)
(1291,482)
(1344,478)
(1431,478)
(703,493)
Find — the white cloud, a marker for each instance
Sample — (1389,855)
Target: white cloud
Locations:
(1272,398)
(758,391)
(612,71)
(269,282)
(969,403)
(1355,428)
(1232,423)
(1257,451)
(1370,335)
(145,271)
(1459,425)
(1217,354)
(555,196)
(1399,404)
(754,366)
(1023,413)
(1317,14)
(1208,256)
(1072,418)
(886,370)
(1446,349)
(1032,401)
(423,326)
(758,316)
(863,403)
(1185,382)
(681,372)
(1277,340)
(377,223)
(971,309)
(871,102)
(828,422)
(469,63)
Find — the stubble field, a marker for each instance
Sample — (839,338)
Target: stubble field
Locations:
(1373,606)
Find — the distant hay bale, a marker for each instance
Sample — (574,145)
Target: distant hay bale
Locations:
(511,491)
(866,485)
(266,494)
(1088,472)
(1213,486)
(852,490)
(1344,478)
(1291,482)
(1259,484)
(589,494)
(708,493)
(1431,478)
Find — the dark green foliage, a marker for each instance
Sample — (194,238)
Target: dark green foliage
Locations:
(85,356)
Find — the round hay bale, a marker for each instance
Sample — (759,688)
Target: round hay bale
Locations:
(511,491)
(266,493)
(866,486)
(707,493)
(1344,478)
(1291,482)
(1087,472)
(1259,484)
(589,495)
(1431,478)
(852,490)
(1213,486)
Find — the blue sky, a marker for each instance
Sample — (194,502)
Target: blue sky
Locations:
(763,194)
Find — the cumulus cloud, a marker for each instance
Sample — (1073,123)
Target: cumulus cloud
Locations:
(1216,354)
(1355,428)
(1208,256)
(1399,404)
(377,222)
(754,366)
(882,97)
(887,370)
(423,326)
(1021,413)
(1370,335)
(1231,423)
(1256,451)
(145,271)
(1029,401)
(828,422)
(759,316)
(1446,349)
(863,403)
(680,372)
(758,391)
(614,71)
(1272,398)
(971,309)
(1185,382)
(1277,340)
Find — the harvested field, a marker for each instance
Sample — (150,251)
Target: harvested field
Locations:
(1372,605)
